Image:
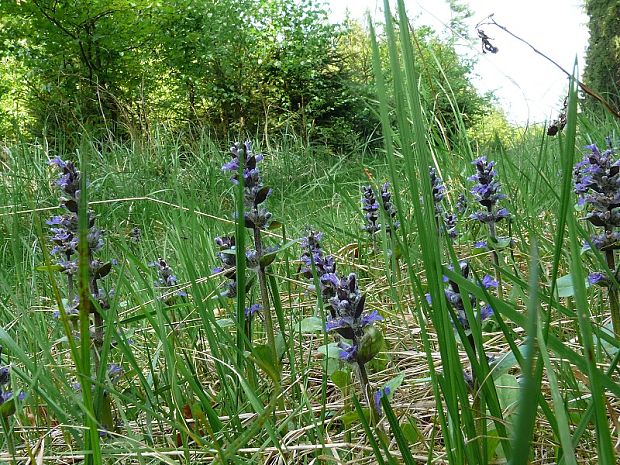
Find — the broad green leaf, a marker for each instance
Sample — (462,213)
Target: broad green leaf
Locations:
(225,323)
(505,362)
(331,350)
(394,384)
(263,358)
(311,324)
(341,378)
(411,432)
(565,286)
(507,388)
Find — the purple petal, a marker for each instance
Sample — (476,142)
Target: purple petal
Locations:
(488,282)
(486,312)
(597,278)
(371,318)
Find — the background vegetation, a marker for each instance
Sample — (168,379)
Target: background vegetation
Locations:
(602,72)
(111,69)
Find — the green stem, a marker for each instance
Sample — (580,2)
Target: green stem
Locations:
(495,256)
(367,390)
(264,293)
(477,401)
(614,306)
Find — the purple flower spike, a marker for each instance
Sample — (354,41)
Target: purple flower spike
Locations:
(324,265)
(348,319)
(597,182)
(254,192)
(166,280)
(446,221)
(64,235)
(388,207)
(5,394)
(371,211)
(454,296)
(487,193)
(437,186)
(371,206)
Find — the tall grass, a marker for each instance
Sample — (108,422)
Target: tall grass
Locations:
(197,388)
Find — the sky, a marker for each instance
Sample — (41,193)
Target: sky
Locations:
(529,88)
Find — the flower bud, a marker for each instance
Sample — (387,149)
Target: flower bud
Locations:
(370,344)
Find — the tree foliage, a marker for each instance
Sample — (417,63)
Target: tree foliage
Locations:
(110,67)
(602,71)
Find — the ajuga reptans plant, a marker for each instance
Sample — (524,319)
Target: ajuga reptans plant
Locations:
(487,192)
(358,339)
(371,207)
(166,281)
(459,302)
(597,182)
(455,298)
(246,174)
(446,221)
(64,239)
(350,321)
(324,265)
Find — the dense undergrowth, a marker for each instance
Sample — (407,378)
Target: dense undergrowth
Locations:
(170,369)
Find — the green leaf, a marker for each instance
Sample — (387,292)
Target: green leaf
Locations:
(341,379)
(606,345)
(517,293)
(268,258)
(351,418)
(493,441)
(274,225)
(103,270)
(411,432)
(330,350)
(312,324)
(333,365)
(565,286)
(507,388)
(49,268)
(499,243)
(7,408)
(261,354)
(225,322)
(507,361)
(394,384)
(280,345)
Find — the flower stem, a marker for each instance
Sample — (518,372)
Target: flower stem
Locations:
(264,293)
(614,306)
(366,388)
(495,256)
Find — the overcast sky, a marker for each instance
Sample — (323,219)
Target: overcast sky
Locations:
(528,87)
